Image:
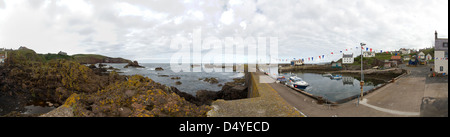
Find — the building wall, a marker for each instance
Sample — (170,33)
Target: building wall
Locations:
(440,62)
(347,60)
(368,54)
(439,53)
(439,44)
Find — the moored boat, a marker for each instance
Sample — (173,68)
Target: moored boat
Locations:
(298,82)
(327,75)
(337,77)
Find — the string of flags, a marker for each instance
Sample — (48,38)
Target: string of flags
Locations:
(331,53)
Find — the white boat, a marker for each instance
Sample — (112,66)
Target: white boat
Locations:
(298,82)
(327,75)
(337,77)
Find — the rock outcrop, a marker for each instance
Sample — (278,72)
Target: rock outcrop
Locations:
(230,91)
(134,64)
(159,69)
(211,80)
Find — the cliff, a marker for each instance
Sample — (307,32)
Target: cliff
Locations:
(94,58)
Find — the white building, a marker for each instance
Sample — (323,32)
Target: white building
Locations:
(407,58)
(421,55)
(368,54)
(405,51)
(429,57)
(440,54)
(347,59)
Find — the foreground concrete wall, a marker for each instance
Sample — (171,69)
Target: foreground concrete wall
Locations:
(263,101)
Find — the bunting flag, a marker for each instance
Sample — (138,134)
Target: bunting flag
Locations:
(322,57)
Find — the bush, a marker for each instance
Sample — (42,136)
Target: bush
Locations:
(137,97)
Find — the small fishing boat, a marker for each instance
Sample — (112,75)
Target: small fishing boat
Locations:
(298,82)
(327,75)
(337,77)
(281,78)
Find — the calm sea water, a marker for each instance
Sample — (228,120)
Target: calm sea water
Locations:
(190,80)
(335,90)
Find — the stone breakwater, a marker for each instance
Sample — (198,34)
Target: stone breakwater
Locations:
(263,101)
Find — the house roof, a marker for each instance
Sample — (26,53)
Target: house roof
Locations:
(396,57)
(348,56)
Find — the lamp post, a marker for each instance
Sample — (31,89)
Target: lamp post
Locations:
(362,71)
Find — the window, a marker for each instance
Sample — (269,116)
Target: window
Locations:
(446,54)
(441,68)
(445,45)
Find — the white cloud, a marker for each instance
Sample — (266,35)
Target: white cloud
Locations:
(227,17)
(75,6)
(141,30)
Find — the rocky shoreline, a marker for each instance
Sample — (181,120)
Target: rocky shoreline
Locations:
(89,91)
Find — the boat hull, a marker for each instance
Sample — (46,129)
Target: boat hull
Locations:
(300,86)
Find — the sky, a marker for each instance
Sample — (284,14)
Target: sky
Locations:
(143,30)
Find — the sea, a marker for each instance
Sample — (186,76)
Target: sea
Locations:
(190,82)
(331,89)
(335,89)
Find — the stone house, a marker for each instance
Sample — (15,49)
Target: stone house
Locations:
(440,54)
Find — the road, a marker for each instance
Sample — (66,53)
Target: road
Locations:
(402,98)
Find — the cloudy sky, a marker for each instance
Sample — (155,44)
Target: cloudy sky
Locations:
(142,30)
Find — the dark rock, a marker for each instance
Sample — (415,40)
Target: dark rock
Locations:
(178,83)
(134,64)
(159,69)
(232,92)
(175,78)
(92,66)
(211,80)
(101,65)
(163,75)
(187,97)
(206,96)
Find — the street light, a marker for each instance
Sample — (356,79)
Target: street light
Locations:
(362,72)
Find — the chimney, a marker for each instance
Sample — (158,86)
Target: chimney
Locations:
(435,34)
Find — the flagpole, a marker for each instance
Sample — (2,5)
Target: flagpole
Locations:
(362,72)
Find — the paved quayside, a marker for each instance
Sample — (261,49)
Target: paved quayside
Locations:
(403,98)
